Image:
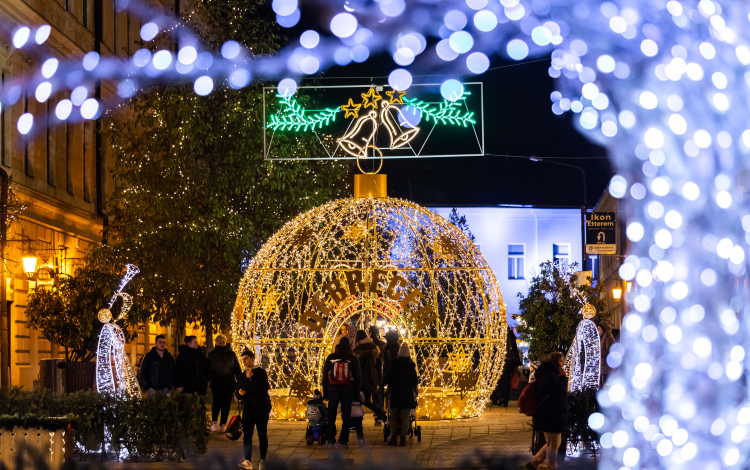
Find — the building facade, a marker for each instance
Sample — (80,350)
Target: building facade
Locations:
(61,171)
(516,240)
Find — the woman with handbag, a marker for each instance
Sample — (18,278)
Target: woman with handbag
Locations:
(252,389)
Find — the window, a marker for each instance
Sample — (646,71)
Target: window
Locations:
(515,261)
(561,254)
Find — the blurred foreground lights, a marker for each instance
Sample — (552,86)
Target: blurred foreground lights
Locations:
(517,49)
(630,457)
(78,95)
(649,47)
(718,427)
(640,423)
(620,439)
(738,434)
(664,447)
(702,347)
(403,56)
(732,457)
(43,90)
(187,55)
(400,79)
(737,354)
(648,100)
(149,31)
(126,88)
(729,321)
(643,371)
(162,59)
(633,322)
(616,393)
(618,186)
(663,239)
(239,79)
(230,50)
(142,57)
(679,291)
(284,7)
(309,39)
(287,87)
(653,138)
(708,277)
(649,333)
(452,90)
(49,67)
(25,122)
(596,421)
(455,20)
(63,109)
(203,85)
(724,199)
(660,186)
(42,34)
(90,109)
(476,4)
(627,271)
(461,42)
(20,37)
(90,60)
(673,334)
(634,232)
(691,191)
(485,21)
(343,25)
(673,219)
(733,370)
(289,21)
(477,62)
(689,451)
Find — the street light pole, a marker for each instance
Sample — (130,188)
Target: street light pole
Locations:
(583,207)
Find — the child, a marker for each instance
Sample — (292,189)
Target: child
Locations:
(316,413)
(357,416)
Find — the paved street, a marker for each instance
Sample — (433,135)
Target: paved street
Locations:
(459,443)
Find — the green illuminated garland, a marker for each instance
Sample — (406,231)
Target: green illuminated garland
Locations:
(295,117)
(447,113)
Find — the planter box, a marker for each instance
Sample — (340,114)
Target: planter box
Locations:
(55,447)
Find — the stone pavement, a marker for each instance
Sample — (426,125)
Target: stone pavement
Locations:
(500,432)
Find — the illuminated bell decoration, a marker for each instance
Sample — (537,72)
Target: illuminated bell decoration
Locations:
(360,136)
(391,116)
(368,261)
(105,315)
(588,311)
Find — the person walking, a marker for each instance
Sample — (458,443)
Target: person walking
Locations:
(223,371)
(340,381)
(369,358)
(606,340)
(512,361)
(375,336)
(342,333)
(252,390)
(402,382)
(190,368)
(156,374)
(551,414)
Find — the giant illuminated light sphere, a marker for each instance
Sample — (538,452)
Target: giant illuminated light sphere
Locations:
(364,261)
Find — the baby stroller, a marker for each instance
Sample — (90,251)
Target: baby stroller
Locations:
(316,414)
(414,428)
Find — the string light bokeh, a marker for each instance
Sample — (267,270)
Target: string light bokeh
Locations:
(459,354)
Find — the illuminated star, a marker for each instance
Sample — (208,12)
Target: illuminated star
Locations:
(459,361)
(466,382)
(449,247)
(302,236)
(351,109)
(395,99)
(269,301)
(300,387)
(371,98)
(355,232)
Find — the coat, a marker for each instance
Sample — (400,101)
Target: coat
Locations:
(190,371)
(552,396)
(369,362)
(402,381)
(381,345)
(156,372)
(256,398)
(223,367)
(512,356)
(354,387)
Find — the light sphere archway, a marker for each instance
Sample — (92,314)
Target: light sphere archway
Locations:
(363,261)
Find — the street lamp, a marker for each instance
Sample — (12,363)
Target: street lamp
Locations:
(617,293)
(29,264)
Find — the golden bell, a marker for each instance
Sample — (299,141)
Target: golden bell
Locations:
(391,116)
(361,135)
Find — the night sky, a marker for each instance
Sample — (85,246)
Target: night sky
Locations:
(518,121)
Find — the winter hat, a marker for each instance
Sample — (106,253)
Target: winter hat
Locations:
(374,331)
(404,350)
(605,326)
(317,394)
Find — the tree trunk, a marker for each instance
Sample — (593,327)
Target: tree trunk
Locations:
(209,327)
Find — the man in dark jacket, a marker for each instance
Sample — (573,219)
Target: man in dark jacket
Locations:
(501,395)
(157,368)
(402,383)
(369,358)
(190,368)
(606,340)
(224,370)
(337,388)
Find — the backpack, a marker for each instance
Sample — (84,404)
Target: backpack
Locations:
(528,402)
(340,372)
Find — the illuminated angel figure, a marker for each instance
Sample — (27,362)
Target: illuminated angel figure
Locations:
(584,358)
(114,374)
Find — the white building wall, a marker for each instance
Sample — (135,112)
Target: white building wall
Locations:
(538,229)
